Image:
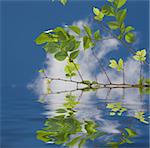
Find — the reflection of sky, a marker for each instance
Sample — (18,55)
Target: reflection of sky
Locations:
(21,58)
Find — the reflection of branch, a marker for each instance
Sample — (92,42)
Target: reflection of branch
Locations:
(130,49)
(108,92)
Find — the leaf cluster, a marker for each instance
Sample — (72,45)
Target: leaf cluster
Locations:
(114,10)
(118,66)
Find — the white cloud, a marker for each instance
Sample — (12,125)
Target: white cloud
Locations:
(87,109)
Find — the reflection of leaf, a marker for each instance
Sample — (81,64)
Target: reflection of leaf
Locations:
(130,132)
(116,108)
(61,110)
(124,138)
(82,142)
(90,127)
(63,1)
(140,116)
(73,141)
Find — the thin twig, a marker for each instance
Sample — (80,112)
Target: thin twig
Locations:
(131,50)
(78,71)
(101,66)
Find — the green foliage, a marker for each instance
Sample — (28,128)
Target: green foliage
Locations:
(118,66)
(113,25)
(87,42)
(88,31)
(51,48)
(140,55)
(140,116)
(74,54)
(98,14)
(108,10)
(130,37)
(61,55)
(121,15)
(44,38)
(75,29)
(128,29)
(97,36)
(116,108)
(119,3)
(60,43)
(41,71)
(70,69)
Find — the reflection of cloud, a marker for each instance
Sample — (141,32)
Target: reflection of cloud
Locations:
(87,109)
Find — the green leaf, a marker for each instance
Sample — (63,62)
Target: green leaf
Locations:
(96,11)
(74,54)
(63,1)
(140,55)
(60,56)
(121,15)
(42,38)
(113,64)
(97,35)
(71,45)
(119,3)
(108,10)
(75,29)
(98,14)
(51,47)
(128,29)
(120,64)
(41,71)
(113,25)
(130,37)
(87,43)
(62,34)
(88,31)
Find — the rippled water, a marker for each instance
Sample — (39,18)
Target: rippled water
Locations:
(22,120)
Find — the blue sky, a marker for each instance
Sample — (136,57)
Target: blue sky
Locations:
(22,22)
